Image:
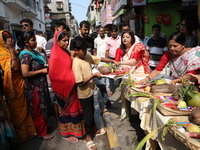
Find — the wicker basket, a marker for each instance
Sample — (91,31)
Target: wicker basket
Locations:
(166,111)
(187,141)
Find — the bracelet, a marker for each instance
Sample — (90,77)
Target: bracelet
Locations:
(149,78)
(14,58)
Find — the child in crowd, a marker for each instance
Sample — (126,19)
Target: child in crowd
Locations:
(84,79)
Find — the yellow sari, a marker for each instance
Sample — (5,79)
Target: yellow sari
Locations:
(13,86)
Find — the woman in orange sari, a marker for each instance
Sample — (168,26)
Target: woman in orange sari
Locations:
(13,86)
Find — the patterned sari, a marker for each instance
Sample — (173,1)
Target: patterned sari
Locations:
(36,91)
(143,64)
(63,84)
(13,86)
(188,62)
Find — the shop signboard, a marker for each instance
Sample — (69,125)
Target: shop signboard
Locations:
(117,5)
(138,2)
(47,19)
(106,16)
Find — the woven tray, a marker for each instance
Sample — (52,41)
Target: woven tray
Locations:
(187,141)
(166,111)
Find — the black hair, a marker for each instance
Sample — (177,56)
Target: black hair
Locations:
(191,22)
(131,33)
(113,27)
(101,28)
(80,43)
(39,32)
(85,23)
(28,21)
(57,23)
(156,26)
(140,29)
(24,37)
(5,35)
(178,37)
(124,24)
(62,35)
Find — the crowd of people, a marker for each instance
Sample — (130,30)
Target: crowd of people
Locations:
(26,65)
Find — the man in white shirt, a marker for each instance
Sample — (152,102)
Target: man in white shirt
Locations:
(100,44)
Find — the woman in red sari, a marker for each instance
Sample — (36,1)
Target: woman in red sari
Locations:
(71,121)
(131,53)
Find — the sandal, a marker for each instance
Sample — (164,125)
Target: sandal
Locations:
(90,144)
(71,139)
(102,132)
(46,137)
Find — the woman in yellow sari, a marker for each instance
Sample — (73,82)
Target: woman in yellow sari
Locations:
(13,86)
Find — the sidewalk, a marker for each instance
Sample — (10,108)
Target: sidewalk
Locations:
(121,134)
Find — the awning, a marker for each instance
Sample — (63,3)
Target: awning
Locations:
(129,15)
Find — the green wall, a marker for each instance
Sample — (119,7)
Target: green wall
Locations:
(170,8)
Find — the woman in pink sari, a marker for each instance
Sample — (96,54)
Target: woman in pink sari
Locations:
(134,54)
(71,121)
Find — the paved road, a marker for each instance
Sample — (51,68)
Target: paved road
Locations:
(58,143)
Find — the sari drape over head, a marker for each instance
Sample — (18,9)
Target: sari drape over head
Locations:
(63,84)
(13,86)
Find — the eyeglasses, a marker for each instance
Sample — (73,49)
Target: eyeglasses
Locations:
(26,25)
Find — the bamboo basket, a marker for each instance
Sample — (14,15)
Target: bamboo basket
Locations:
(187,141)
(166,111)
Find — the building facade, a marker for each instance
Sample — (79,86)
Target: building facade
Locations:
(12,11)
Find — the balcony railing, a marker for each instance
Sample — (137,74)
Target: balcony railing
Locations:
(24,5)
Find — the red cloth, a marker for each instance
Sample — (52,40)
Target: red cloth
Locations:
(39,122)
(60,70)
(138,52)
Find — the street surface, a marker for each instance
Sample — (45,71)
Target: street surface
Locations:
(123,130)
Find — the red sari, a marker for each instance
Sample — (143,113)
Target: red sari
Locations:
(138,52)
(63,84)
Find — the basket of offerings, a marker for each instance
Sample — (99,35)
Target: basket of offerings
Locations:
(167,106)
(186,132)
(174,100)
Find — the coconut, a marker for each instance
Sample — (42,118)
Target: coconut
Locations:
(195,116)
(163,88)
(105,69)
(194,100)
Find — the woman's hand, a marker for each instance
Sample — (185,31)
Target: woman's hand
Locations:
(192,77)
(173,82)
(144,81)
(117,63)
(10,43)
(45,70)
